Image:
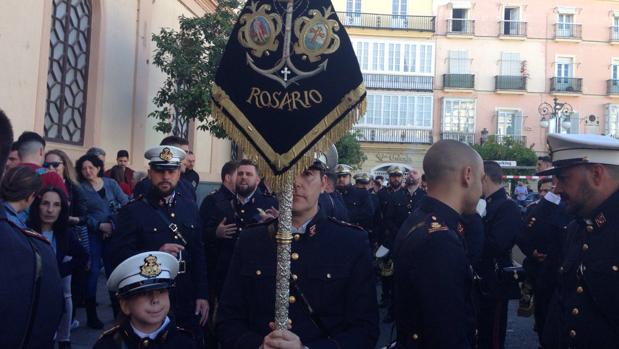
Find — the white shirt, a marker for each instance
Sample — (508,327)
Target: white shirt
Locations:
(155,333)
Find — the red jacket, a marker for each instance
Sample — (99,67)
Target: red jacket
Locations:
(128,177)
(49,178)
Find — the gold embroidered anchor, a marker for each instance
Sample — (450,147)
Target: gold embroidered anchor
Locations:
(150,268)
(166,154)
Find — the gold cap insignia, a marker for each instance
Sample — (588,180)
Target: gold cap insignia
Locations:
(166,154)
(150,268)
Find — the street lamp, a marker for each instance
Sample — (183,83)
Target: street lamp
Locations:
(556,112)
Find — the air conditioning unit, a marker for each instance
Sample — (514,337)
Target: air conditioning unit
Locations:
(592,124)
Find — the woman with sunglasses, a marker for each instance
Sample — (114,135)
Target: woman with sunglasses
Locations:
(49,215)
(58,161)
(102,197)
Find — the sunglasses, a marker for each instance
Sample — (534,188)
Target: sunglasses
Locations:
(54,164)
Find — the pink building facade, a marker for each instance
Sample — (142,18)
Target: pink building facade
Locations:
(497,61)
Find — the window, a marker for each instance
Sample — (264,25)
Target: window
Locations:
(612,120)
(458,62)
(565,25)
(459,115)
(395,57)
(67,78)
(459,20)
(403,111)
(361,49)
(378,56)
(398,7)
(353,12)
(510,64)
(614,71)
(614,32)
(509,122)
(512,19)
(565,72)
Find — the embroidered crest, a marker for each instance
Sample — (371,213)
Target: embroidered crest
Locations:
(260,29)
(166,154)
(312,230)
(435,226)
(600,220)
(316,35)
(150,268)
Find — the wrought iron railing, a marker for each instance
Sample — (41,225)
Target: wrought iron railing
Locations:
(398,82)
(503,138)
(393,135)
(384,21)
(458,26)
(459,136)
(614,33)
(573,85)
(568,31)
(510,82)
(512,28)
(613,87)
(464,81)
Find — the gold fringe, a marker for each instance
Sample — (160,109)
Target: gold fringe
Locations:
(355,98)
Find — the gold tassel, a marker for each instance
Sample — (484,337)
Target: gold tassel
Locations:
(277,182)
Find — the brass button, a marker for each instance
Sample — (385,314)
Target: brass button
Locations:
(176,237)
(295,256)
(291,299)
(572,333)
(172,215)
(242,211)
(533,219)
(328,275)
(585,247)
(145,343)
(289,322)
(294,277)
(415,336)
(297,237)
(615,268)
(575,311)
(433,218)
(579,290)
(240,229)
(590,228)
(154,229)
(258,272)
(561,269)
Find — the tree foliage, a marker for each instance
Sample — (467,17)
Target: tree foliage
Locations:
(508,150)
(189,57)
(349,150)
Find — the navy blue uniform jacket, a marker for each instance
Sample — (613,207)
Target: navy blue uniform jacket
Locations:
(433,280)
(584,311)
(334,272)
(17,258)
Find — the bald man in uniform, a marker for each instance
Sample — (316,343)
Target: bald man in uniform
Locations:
(433,278)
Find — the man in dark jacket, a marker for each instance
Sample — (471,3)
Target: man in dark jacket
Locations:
(332,278)
(584,311)
(501,227)
(433,279)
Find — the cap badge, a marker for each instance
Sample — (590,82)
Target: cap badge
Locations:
(166,154)
(150,268)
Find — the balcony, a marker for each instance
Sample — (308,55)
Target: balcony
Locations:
(510,83)
(398,82)
(393,135)
(568,32)
(614,35)
(459,136)
(613,87)
(460,27)
(459,81)
(382,21)
(566,85)
(502,139)
(514,29)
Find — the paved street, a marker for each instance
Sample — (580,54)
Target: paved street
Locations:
(520,333)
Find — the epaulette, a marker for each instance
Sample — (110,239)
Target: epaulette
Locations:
(435,225)
(110,332)
(213,192)
(34,234)
(345,224)
(134,200)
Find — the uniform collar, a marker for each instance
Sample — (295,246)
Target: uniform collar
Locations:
(153,335)
(606,210)
(247,199)
(443,213)
(226,191)
(501,193)
(311,225)
(553,198)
